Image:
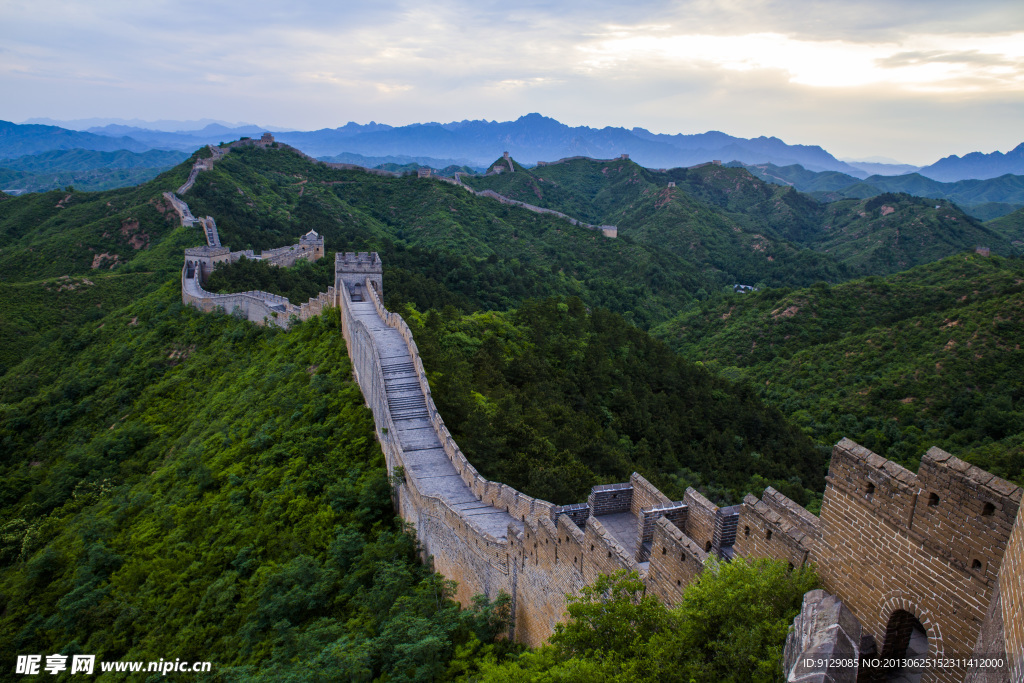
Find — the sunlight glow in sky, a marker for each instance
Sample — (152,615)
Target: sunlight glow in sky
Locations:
(929,63)
(913,80)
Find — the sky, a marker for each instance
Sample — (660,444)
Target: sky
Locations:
(910,80)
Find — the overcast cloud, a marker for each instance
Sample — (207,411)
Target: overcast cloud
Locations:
(913,80)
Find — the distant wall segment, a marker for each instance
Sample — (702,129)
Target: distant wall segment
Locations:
(259,307)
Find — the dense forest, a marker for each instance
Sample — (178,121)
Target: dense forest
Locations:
(927,357)
(552,399)
(177,484)
(747,230)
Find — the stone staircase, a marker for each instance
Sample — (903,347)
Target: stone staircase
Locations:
(426,464)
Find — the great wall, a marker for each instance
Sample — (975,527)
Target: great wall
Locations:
(910,563)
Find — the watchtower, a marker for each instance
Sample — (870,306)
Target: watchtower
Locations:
(200,261)
(315,241)
(352,270)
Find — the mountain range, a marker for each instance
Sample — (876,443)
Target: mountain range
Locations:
(529,138)
(984,199)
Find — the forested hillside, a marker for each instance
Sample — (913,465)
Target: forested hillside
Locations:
(928,357)
(746,229)
(996,196)
(552,399)
(185,485)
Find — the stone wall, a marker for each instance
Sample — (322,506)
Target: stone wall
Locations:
(181,208)
(676,561)
(826,633)
(259,307)
(700,523)
(944,546)
(1011,589)
(263,308)
(284,257)
(610,499)
(606,230)
(925,544)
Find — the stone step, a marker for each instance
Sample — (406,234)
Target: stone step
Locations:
(397,367)
(399,385)
(407,402)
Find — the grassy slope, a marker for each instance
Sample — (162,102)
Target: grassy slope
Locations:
(926,357)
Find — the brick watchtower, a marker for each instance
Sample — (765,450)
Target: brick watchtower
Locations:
(351,271)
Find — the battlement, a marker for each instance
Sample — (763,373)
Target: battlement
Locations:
(763,532)
(354,270)
(364,262)
(958,509)
(676,561)
(888,489)
(206,251)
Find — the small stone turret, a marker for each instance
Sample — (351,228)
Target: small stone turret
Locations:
(315,241)
(351,270)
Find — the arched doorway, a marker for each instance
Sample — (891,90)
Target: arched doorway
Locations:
(905,638)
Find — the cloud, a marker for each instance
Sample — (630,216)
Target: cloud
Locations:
(749,66)
(914,58)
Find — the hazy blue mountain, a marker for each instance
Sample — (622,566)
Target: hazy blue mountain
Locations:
(401,160)
(759,150)
(529,139)
(186,141)
(84,159)
(168,125)
(18,140)
(984,199)
(883,168)
(533,138)
(977,165)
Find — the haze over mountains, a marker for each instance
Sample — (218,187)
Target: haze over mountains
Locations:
(530,138)
(983,199)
